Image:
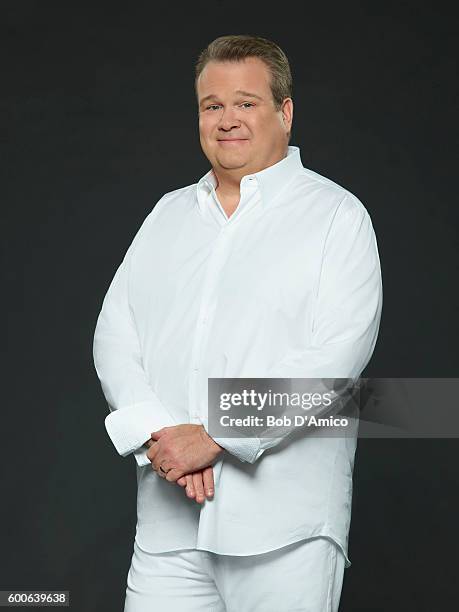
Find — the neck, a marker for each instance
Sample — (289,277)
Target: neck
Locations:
(229,180)
(228,183)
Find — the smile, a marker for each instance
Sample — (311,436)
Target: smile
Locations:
(232,141)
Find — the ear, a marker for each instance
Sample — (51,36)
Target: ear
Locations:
(287,113)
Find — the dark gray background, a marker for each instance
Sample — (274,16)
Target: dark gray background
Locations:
(98,122)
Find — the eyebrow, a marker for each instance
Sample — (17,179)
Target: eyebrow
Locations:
(247,94)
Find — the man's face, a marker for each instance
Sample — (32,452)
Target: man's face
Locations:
(239,127)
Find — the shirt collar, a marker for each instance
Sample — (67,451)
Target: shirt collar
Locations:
(270,180)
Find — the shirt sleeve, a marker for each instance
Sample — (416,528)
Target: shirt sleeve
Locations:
(135,409)
(140,455)
(346,317)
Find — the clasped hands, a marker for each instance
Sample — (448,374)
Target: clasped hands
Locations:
(183,454)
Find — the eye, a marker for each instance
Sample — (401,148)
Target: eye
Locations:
(247,104)
(212,106)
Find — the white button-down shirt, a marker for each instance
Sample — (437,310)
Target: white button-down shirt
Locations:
(288,286)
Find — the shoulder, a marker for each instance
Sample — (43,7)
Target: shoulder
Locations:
(174,203)
(171,202)
(178,198)
(333,198)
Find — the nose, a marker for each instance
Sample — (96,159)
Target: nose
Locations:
(228,119)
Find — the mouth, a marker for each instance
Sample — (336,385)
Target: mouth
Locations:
(230,141)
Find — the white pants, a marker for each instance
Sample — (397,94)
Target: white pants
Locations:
(306,576)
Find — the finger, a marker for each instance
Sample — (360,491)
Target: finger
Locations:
(199,486)
(182,481)
(152,452)
(163,470)
(174,474)
(190,486)
(155,435)
(158,457)
(208,479)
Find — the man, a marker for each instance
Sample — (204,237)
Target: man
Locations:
(261,269)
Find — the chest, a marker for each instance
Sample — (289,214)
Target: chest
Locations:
(275,260)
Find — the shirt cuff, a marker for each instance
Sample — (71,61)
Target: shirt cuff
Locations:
(245,449)
(141,456)
(131,426)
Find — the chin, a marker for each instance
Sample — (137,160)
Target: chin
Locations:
(231,158)
(231,163)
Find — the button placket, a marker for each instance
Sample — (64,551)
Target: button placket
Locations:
(207,306)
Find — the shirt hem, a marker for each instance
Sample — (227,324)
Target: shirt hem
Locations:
(328,536)
(324,534)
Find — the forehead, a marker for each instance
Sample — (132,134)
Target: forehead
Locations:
(250,74)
